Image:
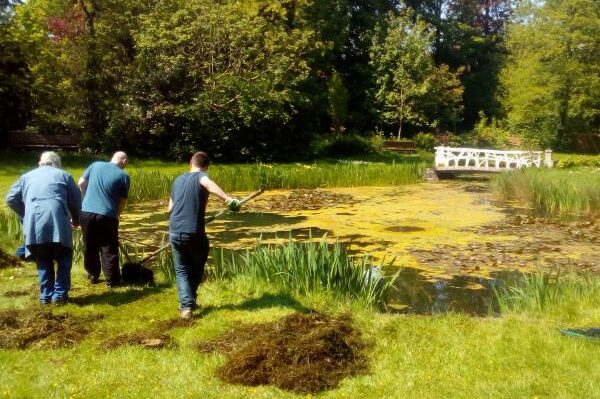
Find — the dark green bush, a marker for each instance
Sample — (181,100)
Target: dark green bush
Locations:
(346,146)
(425,141)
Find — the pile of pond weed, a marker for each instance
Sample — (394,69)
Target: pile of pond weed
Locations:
(8,260)
(169,324)
(16,293)
(155,337)
(299,200)
(305,353)
(147,339)
(38,328)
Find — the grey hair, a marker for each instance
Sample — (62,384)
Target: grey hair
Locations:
(50,158)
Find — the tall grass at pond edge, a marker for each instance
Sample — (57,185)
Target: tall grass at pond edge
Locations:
(544,291)
(565,194)
(147,185)
(305,267)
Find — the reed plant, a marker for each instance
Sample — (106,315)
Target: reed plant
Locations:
(304,267)
(10,226)
(553,193)
(147,185)
(164,263)
(540,291)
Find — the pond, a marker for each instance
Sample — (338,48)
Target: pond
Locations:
(452,241)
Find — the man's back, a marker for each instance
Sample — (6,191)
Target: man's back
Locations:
(189,204)
(45,182)
(50,198)
(107,183)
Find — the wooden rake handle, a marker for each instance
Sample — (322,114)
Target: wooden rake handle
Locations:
(206,220)
(226,210)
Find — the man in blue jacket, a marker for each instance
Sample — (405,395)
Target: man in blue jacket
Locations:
(105,188)
(49,202)
(189,244)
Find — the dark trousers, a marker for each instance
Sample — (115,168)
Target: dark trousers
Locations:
(190,252)
(101,240)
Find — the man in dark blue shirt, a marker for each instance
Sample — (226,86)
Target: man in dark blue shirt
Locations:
(189,244)
(105,187)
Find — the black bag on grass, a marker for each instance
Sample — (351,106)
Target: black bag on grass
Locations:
(136,274)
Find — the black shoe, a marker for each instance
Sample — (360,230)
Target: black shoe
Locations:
(114,285)
(93,279)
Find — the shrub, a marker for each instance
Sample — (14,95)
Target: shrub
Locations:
(425,141)
(347,146)
(487,134)
(577,160)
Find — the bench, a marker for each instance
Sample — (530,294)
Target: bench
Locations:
(405,147)
(26,140)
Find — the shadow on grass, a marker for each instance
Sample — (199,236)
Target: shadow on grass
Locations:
(118,297)
(266,301)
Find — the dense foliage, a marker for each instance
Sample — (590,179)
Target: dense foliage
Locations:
(409,87)
(261,79)
(552,78)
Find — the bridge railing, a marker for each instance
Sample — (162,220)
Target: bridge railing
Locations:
(473,159)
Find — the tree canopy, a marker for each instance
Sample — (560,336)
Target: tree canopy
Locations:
(552,77)
(264,79)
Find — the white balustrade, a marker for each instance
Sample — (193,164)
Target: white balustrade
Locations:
(475,159)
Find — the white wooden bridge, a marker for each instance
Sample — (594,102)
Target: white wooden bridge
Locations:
(474,160)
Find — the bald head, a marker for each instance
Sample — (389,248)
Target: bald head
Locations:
(119,158)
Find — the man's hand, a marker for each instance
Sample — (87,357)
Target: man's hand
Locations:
(233,204)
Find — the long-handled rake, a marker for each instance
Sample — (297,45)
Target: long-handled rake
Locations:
(130,265)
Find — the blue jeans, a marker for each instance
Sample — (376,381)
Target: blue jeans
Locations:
(54,286)
(190,252)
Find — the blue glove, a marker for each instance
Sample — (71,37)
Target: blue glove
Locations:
(233,204)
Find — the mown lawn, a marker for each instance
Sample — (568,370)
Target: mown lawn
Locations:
(448,355)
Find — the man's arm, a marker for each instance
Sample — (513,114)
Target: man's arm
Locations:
(14,198)
(121,206)
(82,183)
(170,205)
(73,201)
(213,187)
(122,203)
(232,203)
(83,180)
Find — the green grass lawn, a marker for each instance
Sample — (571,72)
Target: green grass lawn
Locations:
(520,355)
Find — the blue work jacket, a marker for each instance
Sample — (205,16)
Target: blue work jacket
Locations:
(47,199)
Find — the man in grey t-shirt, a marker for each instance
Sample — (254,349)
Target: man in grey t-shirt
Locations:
(105,187)
(189,244)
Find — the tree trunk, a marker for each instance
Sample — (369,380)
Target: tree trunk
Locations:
(401,114)
(91,84)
